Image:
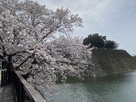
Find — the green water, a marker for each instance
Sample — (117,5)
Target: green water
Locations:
(115,88)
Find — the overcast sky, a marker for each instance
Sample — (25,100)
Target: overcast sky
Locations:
(115,19)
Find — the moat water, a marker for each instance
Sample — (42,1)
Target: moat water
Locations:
(113,88)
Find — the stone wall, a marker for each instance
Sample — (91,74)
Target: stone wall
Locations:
(112,61)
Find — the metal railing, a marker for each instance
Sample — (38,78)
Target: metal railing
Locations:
(23,91)
(6,76)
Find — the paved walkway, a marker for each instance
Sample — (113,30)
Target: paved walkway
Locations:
(6,93)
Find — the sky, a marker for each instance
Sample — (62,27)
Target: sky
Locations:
(115,19)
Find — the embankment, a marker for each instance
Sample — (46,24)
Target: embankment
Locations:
(112,61)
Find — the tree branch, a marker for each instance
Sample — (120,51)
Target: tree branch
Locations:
(1,39)
(13,54)
(25,60)
(58,26)
(46,36)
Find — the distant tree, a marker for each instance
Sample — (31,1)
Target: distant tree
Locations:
(111,44)
(95,40)
(99,41)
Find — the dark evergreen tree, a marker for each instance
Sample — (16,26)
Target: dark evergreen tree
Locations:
(99,41)
(111,44)
(95,40)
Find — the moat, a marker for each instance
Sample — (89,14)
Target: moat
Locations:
(112,88)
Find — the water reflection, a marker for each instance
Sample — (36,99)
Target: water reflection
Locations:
(115,88)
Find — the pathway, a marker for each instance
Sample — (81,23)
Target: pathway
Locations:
(6,92)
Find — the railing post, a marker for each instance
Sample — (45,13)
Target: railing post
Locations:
(3,66)
(22,93)
(2,78)
(18,90)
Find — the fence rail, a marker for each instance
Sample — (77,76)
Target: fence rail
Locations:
(23,91)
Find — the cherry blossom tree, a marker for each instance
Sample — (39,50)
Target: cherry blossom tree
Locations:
(64,56)
(25,27)
(25,32)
